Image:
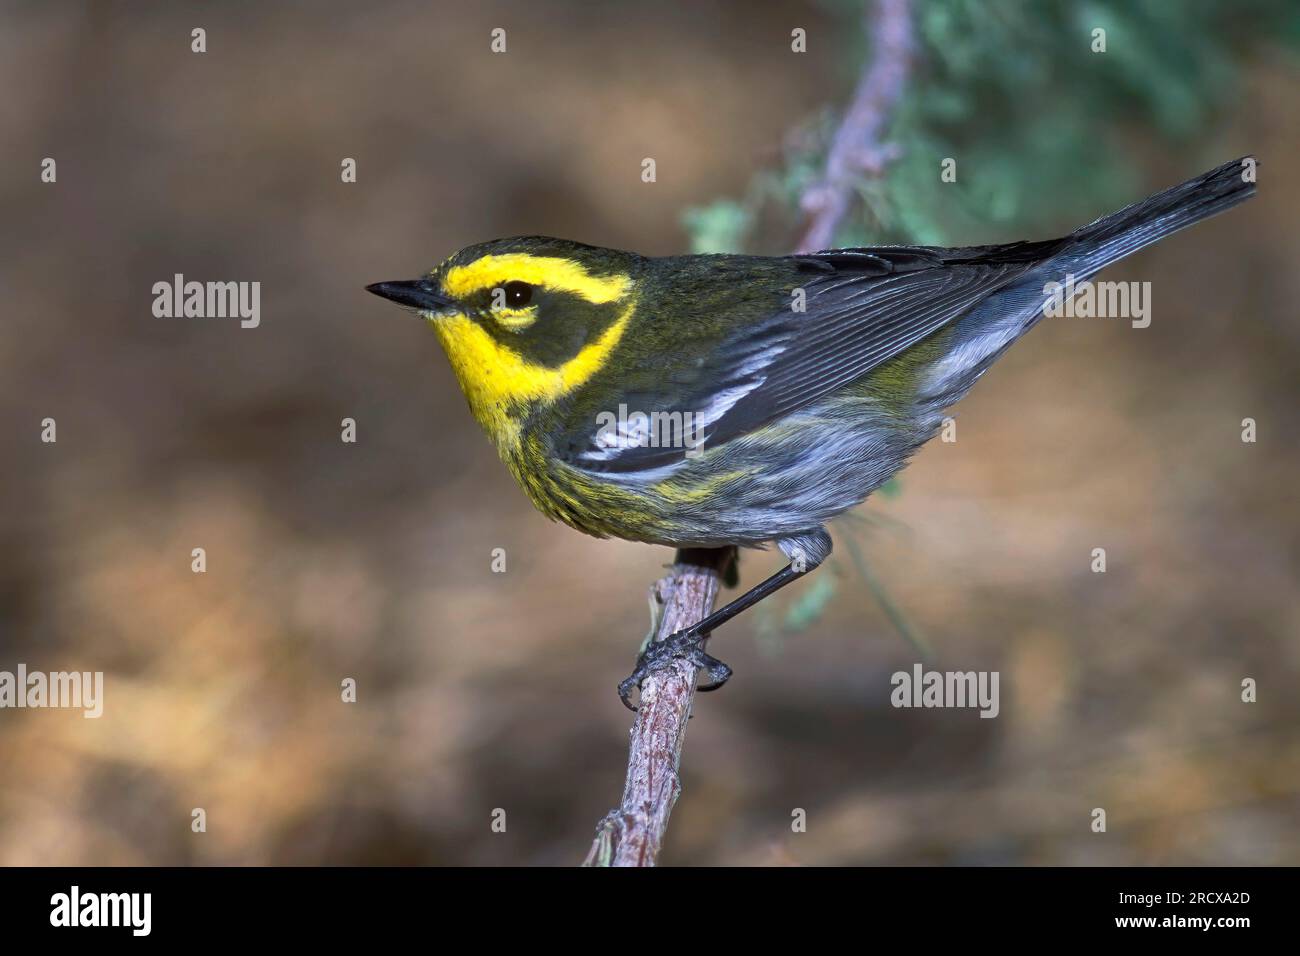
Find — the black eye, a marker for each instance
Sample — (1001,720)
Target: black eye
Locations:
(518,294)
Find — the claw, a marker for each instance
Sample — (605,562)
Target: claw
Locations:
(625,688)
(719,673)
(683,645)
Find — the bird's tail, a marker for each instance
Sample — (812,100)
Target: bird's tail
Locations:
(988,330)
(1134,227)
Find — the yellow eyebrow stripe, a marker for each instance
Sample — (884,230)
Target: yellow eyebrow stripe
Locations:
(549,272)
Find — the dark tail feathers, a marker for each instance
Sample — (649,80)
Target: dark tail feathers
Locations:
(1134,227)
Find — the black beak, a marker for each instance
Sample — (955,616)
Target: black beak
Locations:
(421,294)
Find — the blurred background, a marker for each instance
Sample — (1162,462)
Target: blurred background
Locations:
(372,560)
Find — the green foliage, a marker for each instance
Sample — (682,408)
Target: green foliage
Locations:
(808,606)
(1046,133)
(720,227)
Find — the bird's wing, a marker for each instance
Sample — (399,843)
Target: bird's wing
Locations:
(863,307)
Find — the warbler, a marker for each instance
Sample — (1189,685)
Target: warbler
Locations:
(733,400)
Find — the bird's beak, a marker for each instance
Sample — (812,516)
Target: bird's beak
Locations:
(421,294)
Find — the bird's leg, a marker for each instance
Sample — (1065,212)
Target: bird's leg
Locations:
(806,551)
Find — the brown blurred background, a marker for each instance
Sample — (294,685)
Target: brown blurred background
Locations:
(371,560)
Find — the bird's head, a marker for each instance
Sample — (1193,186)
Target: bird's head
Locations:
(523,321)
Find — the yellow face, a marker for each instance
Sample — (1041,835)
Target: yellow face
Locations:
(525,321)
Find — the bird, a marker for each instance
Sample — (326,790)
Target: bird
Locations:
(726,400)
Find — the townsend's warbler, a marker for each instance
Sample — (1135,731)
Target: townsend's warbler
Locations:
(717,400)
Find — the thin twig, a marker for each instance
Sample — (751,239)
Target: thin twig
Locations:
(632,834)
(857,150)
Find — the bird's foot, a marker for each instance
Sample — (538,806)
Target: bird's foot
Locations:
(684,645)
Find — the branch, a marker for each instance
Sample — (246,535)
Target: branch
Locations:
(856,149)
(632,834)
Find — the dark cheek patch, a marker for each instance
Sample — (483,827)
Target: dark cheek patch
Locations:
(565,325)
